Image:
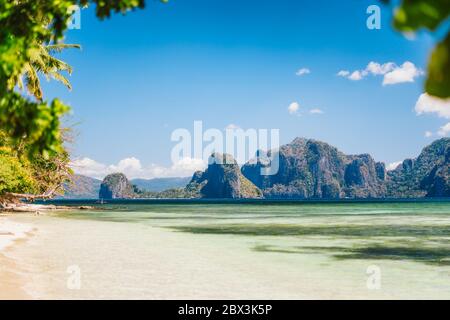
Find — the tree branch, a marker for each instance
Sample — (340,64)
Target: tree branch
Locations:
(47,195)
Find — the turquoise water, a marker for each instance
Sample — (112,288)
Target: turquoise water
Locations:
(243,251)
(417,232)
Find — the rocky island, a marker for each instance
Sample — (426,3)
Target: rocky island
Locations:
(313,169)
(223,179)
(116,186)
(308,169)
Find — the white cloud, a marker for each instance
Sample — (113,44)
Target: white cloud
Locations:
(303,71)
(316,111)
(133,168)
(356,76)
(393,165)
(232,126)
(89,167)
(428,134)
(380,69)
(440,107)
(392,74)
(293,108)
(343,73)
(430,104)
(407,72)
(444,130)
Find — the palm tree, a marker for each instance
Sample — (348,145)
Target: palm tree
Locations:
(42,61)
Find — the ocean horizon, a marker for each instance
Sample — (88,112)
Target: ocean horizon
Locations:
(78,202)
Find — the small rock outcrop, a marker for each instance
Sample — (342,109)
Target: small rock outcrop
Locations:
(116,186)
(223,179)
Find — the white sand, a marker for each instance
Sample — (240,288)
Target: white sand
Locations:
(130,261)
(118,260)
(11,231)
(11,281)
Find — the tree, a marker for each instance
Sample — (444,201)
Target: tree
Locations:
(414,15)
(43,62)
(14,173)
(24,26)
(44,175)
(33,160)
(22,178)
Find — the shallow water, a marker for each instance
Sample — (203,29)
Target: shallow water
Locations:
(302,250)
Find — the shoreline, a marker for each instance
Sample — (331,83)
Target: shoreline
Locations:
(11,232)
(96,204)
(12,283)
(37,209)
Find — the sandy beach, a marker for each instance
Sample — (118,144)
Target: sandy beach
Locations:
(115,263)
(139,253)
(11,281)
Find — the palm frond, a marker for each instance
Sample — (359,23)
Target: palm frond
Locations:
(44,63)
(55,64)
(32,82)
(58,48)
(20,82)
(59,77)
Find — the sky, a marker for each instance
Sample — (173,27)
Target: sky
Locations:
(308,68)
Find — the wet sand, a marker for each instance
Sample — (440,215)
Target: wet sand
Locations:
(12,280)
(11,284)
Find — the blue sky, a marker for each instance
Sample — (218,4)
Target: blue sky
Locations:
(140,76)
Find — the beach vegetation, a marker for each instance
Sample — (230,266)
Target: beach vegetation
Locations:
(33,157)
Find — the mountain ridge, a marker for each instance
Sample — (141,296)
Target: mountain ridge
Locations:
(308,169)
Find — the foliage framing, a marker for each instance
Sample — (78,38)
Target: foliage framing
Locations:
(33,161)
(413,15)
(24,26)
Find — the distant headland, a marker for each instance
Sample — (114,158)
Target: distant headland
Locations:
(308,169)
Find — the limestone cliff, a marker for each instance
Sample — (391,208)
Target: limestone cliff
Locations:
(116,186)
(223,179)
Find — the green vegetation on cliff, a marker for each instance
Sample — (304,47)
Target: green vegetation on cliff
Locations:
(314,169)
(426,175)
(308,169)
(223,179)
(116,186)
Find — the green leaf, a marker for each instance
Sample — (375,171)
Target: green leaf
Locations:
(438,81)
(415,14)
